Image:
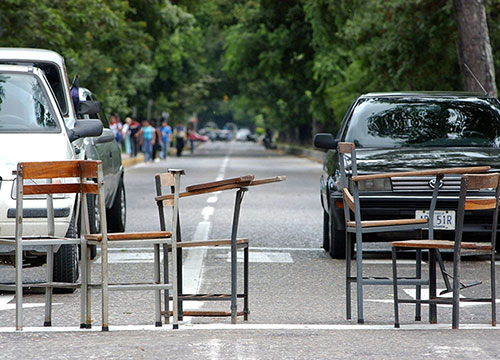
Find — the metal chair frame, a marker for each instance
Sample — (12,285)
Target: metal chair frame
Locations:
(468,182)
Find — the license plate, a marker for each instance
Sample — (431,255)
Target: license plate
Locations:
(443,219)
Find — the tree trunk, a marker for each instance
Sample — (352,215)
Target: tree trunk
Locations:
(474,46)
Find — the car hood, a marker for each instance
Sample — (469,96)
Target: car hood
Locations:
(31,147)
(409,159)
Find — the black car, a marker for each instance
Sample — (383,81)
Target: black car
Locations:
(405,132)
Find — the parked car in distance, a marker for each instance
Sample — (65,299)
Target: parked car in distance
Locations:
(32,128)
(404,132)
(243,134)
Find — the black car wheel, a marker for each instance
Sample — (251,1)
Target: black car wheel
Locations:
(66,263)
(326,231)
(337,240)
(117,214)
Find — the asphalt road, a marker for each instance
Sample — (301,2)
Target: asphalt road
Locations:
(297,293)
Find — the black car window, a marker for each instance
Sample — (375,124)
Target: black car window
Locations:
(24,105)
(397,122)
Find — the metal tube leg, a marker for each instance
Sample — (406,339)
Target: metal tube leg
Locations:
(234,269)
(83,289)
(348,256)
(166,293)
(19,285)
(493,292)
(418,288)
(104,288)
(157,280)
(395,286)
(432,286)
(88,291)
(180,274)
(48,289)
(359,277)
(246,311)
(455,318)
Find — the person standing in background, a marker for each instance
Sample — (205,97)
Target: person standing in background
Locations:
(166,138)
(126,135)
(134,140)
(116,126)
(147,138)
(180,136)
(157,143)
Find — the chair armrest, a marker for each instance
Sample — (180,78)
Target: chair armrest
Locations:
(242,181)
(268,180)
(445,171)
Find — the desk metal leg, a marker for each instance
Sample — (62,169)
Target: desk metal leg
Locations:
(359,275)
(234,234)
(432,286)
(179,269)
(348,276)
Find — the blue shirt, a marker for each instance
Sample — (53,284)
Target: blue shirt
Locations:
(165,133)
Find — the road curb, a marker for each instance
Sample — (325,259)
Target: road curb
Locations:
(315,155)
(128,161)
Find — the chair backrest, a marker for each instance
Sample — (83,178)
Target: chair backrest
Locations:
(56,177)
(346,153)
(466,203)
(170,179)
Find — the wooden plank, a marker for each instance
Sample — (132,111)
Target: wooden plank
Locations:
(59,169)
(345,147)
(446,171)
(60,188)
(166,179)
(187,244)
(207,313)
(131,236)
(374,223)
(481,181)
(199,192)
(88,168)
(268,180)
(442,244)
(168,202)
(348,199)
(480,204)
(242,180)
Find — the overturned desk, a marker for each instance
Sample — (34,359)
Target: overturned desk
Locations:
(241,185)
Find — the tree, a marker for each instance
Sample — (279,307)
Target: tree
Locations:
(476,58)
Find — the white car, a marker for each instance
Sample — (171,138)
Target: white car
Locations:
(33,128)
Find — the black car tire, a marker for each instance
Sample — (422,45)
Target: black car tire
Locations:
(326,231)
(117,214)
(66,263)
(337,240)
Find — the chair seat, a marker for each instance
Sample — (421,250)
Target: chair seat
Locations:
(441,244)
(185,244)
(374,223)
(131,236)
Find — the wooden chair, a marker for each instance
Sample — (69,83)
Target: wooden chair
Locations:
(358,227)
(241,185)
(466,202)
(47,179)
(155,238)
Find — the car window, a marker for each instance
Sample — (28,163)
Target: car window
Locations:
(397,122)
(54,77)
(24,105)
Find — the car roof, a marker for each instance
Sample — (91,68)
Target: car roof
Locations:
(34,55)
(428,94)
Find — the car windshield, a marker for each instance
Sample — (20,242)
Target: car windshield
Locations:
(24,106)
(405,122)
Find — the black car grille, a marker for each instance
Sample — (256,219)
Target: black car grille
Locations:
(424,183)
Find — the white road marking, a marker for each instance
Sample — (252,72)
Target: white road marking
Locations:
(207,212)
(5,299)
(264,257)
(242,326)
(425,296)
(212,199)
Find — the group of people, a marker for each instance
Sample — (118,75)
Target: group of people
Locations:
(148,137)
